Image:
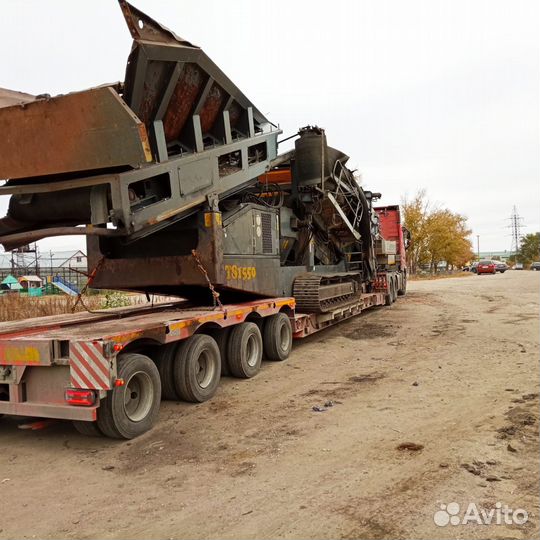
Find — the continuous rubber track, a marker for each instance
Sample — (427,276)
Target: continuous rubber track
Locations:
(307,289)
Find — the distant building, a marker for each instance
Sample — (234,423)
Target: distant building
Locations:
(64,259)
(496,255)
(69,266)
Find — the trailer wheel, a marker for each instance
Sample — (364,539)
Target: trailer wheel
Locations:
(221,335)
(277,337)
(88,429)
(164,359)
(403,290)
(395,288)
(197,368)
(244,350)
(132,408)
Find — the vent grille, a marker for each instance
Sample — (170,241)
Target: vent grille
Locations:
(266,222)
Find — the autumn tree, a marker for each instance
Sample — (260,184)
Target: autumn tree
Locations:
(415,214)
(438,235)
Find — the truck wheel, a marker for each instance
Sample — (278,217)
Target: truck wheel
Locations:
(277,337)
(391,295)
(389,298)
(403,290)
(164,359)
(244,350)
(88,429)
(131,409)
(197,368)
(221,335)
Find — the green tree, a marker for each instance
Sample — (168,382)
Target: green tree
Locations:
(529,249)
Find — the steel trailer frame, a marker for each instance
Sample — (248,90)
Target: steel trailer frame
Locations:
(80,350)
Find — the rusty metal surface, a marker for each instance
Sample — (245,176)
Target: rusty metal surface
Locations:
(40,325)
(143,27)
(201,89)
(139,272)
(12,97)
(81,131)
(211,108)
(186,92)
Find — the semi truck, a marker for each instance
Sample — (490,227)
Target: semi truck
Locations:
(175,179)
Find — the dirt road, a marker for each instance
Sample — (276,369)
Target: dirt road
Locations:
(451,369)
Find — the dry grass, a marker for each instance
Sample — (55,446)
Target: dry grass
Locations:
(14,307)
(425,277)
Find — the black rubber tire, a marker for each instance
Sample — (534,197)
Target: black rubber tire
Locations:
(88,429)
(403,290)
(164,359)
(221,335)
(395,282)
(391,296)
(141,378)
(244,350)
(388,298)
(277,337)
(187,368)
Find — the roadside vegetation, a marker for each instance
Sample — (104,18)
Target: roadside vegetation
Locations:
(438,235)
(529,250)
(14,307)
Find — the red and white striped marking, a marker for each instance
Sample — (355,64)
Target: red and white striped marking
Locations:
(88,367)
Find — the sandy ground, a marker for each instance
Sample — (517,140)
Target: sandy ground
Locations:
(451,368)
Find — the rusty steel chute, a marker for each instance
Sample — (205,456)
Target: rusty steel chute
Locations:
(135,155)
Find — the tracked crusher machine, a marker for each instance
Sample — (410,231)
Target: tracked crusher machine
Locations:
(174,177)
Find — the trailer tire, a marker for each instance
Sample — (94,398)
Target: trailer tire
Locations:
(197,368)
(88,429)
(277,337)
(244,350)
(131,409)
(403,290)
(395,287)
(221,335)
(164,359)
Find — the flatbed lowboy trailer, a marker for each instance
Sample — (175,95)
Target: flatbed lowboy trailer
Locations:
(73,366)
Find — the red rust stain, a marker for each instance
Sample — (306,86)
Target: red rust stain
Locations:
(188,88)
(235,112)
(211,107)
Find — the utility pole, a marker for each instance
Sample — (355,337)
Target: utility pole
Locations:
(516,222)
(478,246)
